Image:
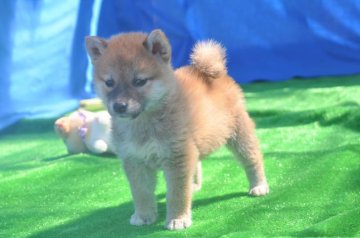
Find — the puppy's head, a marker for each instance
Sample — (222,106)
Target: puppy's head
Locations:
(132,72)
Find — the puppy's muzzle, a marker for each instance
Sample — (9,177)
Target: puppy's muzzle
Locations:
(120,107)
(125,108)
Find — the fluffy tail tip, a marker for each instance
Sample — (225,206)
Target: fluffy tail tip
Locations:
(209,58)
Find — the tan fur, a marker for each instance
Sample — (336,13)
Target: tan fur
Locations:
(208,58)
(173,120)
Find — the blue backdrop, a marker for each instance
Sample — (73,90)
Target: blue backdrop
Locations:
(44,68)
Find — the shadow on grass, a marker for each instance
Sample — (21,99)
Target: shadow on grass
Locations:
(207,201)
(114,221)
(345,114)
(59,157)
(298,84)
(33,126)
(106,222)
(56,157)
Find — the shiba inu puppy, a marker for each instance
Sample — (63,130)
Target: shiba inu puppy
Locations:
(169,120)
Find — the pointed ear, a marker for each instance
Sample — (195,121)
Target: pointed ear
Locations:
(95,46)
(157,44)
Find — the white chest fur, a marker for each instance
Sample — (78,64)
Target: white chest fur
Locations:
(152,152)
(144,146)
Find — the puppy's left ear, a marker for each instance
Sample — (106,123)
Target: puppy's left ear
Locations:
(157,44)
(95,47)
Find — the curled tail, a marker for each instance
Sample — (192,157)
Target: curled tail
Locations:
(208,58)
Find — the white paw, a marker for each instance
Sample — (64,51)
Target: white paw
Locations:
(178,224)
(139,220)
(259,190)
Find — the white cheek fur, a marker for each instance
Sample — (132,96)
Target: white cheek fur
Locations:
(156,93)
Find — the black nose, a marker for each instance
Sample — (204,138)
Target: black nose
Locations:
(120,107)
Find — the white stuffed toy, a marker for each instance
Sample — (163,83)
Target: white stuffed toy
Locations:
(84,131)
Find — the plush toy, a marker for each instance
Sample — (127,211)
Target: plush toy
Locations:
(84,131)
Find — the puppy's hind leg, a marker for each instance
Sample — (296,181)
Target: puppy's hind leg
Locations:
(245,147)
(197,180)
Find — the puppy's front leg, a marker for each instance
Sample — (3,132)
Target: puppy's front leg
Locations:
(179,177)
(142,181)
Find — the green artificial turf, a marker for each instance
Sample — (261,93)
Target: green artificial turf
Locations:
(310,136)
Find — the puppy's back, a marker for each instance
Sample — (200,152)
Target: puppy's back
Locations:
(213,98)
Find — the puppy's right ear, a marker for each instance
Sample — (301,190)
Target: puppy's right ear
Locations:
(158,45)
(95,47)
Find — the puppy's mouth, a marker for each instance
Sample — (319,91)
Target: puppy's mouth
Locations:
(126,115)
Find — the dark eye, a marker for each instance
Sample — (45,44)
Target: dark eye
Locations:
(139,82)
(110,83)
